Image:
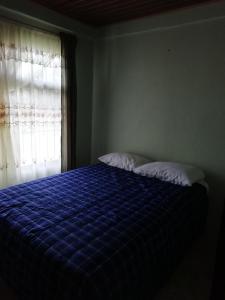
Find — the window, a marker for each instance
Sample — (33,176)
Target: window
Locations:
(30,104)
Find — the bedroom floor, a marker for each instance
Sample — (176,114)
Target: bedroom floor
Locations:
(5,292)
(191,281)
(193,278)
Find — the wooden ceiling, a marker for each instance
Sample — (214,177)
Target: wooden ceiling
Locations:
(103,12)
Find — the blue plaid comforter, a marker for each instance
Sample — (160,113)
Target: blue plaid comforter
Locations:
(97,232)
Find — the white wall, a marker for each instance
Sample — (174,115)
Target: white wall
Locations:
(159,90)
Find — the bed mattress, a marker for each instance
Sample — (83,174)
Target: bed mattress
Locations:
(97,232)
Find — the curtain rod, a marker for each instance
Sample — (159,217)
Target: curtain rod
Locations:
(28,26)
(51,31)
(45,25)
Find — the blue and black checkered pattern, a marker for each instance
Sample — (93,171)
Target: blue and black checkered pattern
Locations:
(96,233)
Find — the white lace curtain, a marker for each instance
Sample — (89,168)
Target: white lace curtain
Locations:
(30,104)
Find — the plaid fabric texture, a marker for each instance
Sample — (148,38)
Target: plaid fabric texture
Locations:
(97,232)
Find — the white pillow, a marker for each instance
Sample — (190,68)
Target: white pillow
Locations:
(175,173)
(126,161)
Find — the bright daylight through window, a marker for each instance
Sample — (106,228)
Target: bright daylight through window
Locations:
(30,104)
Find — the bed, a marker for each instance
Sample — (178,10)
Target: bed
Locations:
(97,232)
